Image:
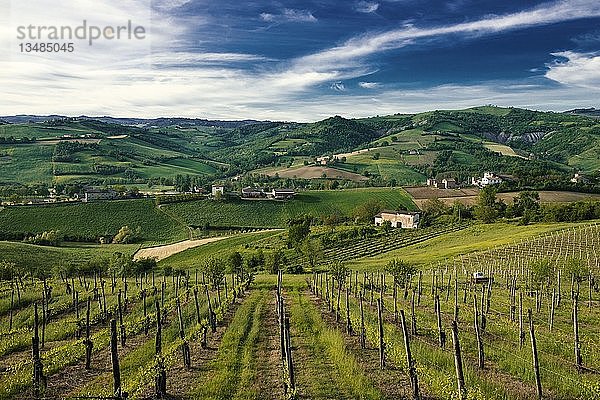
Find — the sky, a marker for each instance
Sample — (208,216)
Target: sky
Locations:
(302,60)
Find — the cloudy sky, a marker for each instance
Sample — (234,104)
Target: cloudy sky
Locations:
(304,60)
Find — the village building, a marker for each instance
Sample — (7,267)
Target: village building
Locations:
(282,194)
(489,178)
(449,183)
(252,193)
(96,194)
(578,178)
(399,219)
(218,190)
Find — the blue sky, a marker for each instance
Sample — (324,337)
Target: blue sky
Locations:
(306,60)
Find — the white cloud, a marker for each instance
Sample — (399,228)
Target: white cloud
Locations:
(578,69)
(366,7)
(338,86)
(290,15)
(130,79)
(368,85)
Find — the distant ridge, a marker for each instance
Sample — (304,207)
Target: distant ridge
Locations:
(588,112)
(140,122)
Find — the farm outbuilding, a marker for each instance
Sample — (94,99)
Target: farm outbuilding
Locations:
(399,219)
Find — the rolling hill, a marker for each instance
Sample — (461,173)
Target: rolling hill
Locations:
(529,146)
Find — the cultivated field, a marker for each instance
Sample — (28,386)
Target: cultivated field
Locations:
(274,214)
(315,172)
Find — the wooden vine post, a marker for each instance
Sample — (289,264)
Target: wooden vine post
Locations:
(460,377)
(363,332)
(39,380)
(185,347)
(536,364)
(121,324)
(89,345)
(412,371)
(348,321)
(114,357)
(480,354)
(381,341)
(438,313)
(161,374)
(578,360)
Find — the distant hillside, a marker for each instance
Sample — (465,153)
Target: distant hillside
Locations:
(141,122)
(588,112)
(531,148)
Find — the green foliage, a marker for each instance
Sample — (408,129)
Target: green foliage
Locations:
(276,261)
(214,269)
(400,270)
(268,214)
(365,213)
(91,221)
(127,235)
(542,272)
(47,238)
(298,231)
(339,271)
(576,268)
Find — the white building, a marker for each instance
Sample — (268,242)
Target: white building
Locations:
(282,194)
(489,178)
(218,189)
(399,219)
(94,194)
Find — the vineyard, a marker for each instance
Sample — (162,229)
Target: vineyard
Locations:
(274,214)
(527,330)
(101,219)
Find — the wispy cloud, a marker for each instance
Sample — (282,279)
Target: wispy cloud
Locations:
(118,78)
(366,7)
(290,15)
(578,69)
(368,85)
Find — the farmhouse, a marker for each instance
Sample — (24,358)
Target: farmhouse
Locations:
(446,183)
(399,219)
(449,183)
(218,189)
(282,194)
(95,194)
(578,178)
(252,193)
(489,178)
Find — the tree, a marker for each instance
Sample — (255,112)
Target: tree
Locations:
(366,212)
(400,270)
(542,272)
(486,209)
(339,272)
(214,269)
(127,235)
(235,262)
(299,229)
(577,268)
(312,251)
(276,261)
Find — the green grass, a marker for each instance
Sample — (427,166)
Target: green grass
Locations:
(92,220)
(228,375)
(331,370)
(276,213)
(44,257)
(193,258)
(475,238)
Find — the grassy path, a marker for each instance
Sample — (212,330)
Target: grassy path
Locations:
(324,367)
(234,373)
